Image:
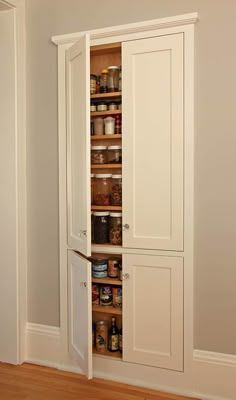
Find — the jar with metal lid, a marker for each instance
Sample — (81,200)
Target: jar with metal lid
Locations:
(98,154)
(114,155)
(101,227)
(102,190)
(115,228)
(102,106)
(116,190)
(113,78)
(92,187)
(93,79)
(93,107)
(112,106)
(104,81)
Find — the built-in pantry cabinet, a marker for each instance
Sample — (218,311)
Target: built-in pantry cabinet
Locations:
(157,173)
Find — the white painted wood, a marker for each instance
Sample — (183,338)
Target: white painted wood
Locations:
(130,29)
(9,351)
(78,146)
(153,311)
(80,311)
(152,117)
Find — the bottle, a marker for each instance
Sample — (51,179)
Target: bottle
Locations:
(120,340)
(113,336)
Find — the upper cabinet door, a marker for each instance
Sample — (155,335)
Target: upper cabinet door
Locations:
(78,146)
(152,112)
(80,312)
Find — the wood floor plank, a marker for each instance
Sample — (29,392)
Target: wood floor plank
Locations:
(31,382)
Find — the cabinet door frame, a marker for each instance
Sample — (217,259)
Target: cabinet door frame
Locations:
(78,146)
(80,321)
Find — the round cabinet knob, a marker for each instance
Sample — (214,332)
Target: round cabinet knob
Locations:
(83,284)
(126,227)
(125,276)
(82,233)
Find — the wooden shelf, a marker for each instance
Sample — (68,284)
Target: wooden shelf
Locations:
(102,137)
(107,281)
(105,95)
(106,245)
(107,310)
(104,113)
(106,208)
(101,166)
(115,354)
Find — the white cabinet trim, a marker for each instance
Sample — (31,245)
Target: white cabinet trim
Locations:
(137,27)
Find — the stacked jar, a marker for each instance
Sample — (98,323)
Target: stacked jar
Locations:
(102,189)
(107,228)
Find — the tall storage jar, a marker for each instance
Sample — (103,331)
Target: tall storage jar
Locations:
(100,227)
(116,190)
(113,78)
(115,228)
(102,190)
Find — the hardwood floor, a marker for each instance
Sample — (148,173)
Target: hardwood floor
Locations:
(26,382)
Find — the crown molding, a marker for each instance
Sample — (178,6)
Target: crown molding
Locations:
(136,27)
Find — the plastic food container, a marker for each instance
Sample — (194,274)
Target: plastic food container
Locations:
(102,189)
(109,125)
(114,154)
(98,126)
(98,154)
(101,227)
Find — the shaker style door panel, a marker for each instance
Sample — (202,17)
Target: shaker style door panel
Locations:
(80,311)
(152,117)
(78,146)
(153,311)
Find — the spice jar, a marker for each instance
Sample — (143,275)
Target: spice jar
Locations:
(118,124)
(92,187)
(93,107)
(112,106)
(120,78)
(114,155)
(100,227)
(115,228)
(98,154)
(102,189)
(98,84)
(113,78)
(104,81)
(98,126)
(109,125)
(93,79)
(116,190)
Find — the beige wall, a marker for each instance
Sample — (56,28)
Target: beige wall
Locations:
(215,160)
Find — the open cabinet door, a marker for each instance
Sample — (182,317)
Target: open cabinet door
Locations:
(80,312)
(78,150)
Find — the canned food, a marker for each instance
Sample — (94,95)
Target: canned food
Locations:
(99,268)
(95,295)
(106,295)
(101,336)
(117,297)
(113,268)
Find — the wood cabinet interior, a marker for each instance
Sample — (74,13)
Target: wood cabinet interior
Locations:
(104,56)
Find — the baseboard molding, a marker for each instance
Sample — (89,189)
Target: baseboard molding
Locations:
(214,374)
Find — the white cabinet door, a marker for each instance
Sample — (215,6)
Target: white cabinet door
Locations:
(153,311)
(78,146)
(152,115)
(80,311)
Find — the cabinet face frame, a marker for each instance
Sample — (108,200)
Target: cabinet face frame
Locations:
(164,26)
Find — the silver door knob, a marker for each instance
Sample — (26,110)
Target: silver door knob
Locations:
(83,284)
(125,276)
(82,233)
(126,227)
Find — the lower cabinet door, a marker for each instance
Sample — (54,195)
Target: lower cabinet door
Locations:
(80,312)
(153,311)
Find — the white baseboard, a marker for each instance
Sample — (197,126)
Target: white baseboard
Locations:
(214,374)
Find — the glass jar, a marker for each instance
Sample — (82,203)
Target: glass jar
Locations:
(115,229)
(92,187)
(104,81)
(120,78)
(100,227)
(98,154)
(109,125)
(116,190)
(93,79)
(114,155)
(98,126)
(102,106)
(112,106)
(102,190)
(93,107)
(113,78)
